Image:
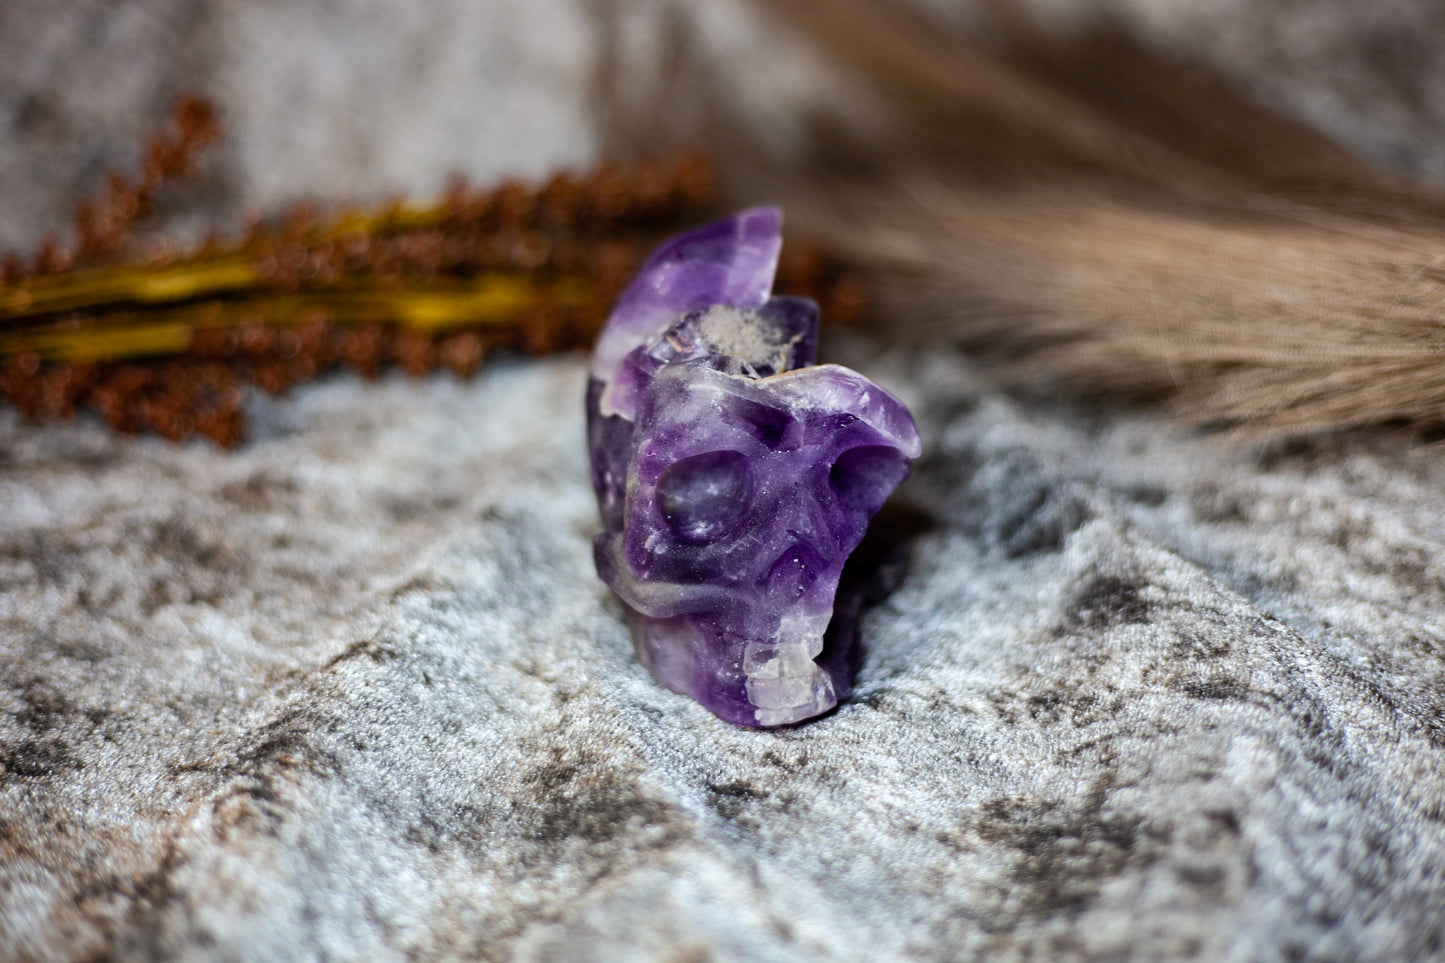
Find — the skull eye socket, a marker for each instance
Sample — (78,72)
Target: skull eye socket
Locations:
(767,424)
(865,476)
(703,497)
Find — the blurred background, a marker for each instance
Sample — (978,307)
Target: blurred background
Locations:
(334,101)
(1066,184)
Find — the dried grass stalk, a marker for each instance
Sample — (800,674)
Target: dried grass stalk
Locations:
(1081,209)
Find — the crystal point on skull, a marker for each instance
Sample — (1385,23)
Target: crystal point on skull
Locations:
(735,476)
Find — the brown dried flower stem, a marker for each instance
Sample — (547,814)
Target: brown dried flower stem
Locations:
(168,344)
(170,328)
(125,284)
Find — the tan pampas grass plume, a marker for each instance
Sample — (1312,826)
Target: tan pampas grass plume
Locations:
(1078,208)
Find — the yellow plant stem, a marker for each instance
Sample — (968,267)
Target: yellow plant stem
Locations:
(491,299)
(97,287)
(209,275)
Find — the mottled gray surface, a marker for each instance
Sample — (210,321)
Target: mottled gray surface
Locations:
(1371,75)
(321,99)
(344,100)
(353,691)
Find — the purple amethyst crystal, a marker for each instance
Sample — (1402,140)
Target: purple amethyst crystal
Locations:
(735,476)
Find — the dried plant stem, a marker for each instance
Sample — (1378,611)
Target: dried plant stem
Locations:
(126,284)
(438,306)
(1073,207)
(167,344)
(1239,317)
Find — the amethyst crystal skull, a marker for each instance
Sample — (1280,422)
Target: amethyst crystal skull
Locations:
(735,476)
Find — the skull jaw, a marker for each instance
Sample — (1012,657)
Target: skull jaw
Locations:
(800,672)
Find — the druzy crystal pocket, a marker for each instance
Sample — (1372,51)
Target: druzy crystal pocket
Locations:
(735,476)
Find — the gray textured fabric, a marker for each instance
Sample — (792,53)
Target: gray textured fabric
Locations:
(354,692)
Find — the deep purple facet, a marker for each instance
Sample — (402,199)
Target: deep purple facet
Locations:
(735,477)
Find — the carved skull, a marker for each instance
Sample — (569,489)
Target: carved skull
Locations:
(744,499)
(734,477)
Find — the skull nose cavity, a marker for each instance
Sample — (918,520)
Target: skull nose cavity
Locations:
(795,573)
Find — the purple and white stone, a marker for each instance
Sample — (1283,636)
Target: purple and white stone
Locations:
(735,476)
